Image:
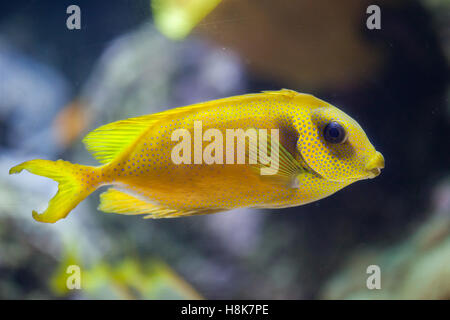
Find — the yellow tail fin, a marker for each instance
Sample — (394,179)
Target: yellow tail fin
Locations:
(75,182)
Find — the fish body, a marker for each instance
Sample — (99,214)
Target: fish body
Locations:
(182,162)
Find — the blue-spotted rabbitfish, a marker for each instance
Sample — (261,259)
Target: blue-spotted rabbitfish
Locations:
(319,150)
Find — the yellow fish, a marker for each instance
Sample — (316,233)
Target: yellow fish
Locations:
(204,158)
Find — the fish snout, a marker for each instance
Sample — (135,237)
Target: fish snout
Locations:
(375,164)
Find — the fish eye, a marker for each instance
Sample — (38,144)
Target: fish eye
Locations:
(334,132)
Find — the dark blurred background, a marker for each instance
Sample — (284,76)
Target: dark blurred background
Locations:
(58,84)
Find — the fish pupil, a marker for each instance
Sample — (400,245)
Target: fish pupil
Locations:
(334,132)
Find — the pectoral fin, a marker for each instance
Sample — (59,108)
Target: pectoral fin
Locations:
(287,170)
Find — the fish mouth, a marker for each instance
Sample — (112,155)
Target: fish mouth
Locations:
(374,166)
(373,169)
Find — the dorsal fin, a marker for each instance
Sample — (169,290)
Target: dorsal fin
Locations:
(283,92)
(108,141)
(306,99)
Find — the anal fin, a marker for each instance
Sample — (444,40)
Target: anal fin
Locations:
(120,202)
